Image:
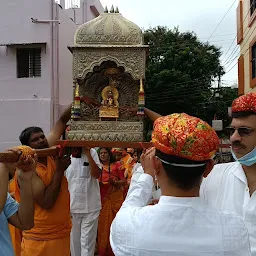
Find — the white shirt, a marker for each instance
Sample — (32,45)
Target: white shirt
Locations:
(137,170)
(226,189)
(175,227)
(83,188)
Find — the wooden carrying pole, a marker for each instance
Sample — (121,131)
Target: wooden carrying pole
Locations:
(9,156)
(105,144)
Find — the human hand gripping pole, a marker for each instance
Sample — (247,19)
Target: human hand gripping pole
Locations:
(25,168)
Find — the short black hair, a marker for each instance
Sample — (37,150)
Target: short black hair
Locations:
(242,114)
(26,134)
(184,177)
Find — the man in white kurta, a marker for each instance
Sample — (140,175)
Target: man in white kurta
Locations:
(85,203)
(226,189)
(180,224)
(231,187)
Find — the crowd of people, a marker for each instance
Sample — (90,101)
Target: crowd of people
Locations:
(174,201)
(98,183)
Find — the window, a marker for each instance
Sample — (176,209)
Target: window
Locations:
(72,4)
(252,6)
(28,62)
(254,61)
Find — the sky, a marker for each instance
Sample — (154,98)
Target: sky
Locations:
(200,16)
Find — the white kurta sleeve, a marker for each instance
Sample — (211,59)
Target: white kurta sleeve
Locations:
(140,192)
(138,196)
(136,172)
(95,157)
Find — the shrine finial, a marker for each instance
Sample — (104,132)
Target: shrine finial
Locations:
(117,10)
(112,9)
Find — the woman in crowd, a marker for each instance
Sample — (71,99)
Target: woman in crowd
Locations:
(112,182)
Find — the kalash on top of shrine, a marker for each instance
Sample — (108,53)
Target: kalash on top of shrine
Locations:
(109,58)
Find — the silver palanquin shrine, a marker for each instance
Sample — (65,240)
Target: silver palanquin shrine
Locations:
(109,58)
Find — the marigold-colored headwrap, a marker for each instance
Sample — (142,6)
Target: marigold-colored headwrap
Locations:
(116,150)
(245,103)
(185,136)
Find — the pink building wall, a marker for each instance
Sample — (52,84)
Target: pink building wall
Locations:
(19,107)
(33,101)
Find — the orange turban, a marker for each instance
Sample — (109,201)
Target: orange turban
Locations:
(116,150)
(185,136)
(245,103)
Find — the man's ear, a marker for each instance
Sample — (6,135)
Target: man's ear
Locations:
(157,165)
(209,167)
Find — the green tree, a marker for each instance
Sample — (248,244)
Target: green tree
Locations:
(218,105)
(180,71)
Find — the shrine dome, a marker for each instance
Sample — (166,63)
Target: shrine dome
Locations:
(109,29)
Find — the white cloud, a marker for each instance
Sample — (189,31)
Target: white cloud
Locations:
(200,16)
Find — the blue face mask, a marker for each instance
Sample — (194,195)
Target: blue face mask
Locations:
(247,160)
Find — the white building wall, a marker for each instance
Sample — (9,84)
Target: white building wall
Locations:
(248,36)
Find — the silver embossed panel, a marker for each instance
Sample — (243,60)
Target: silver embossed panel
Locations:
(106,131)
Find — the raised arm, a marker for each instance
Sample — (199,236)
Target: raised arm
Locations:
(140,192)
(23,218)
(151,114)
(94,162)
(4,176)
(46,196)
(5,170)
(59,127)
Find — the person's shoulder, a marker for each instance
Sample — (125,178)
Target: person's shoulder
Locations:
(74,159)
(9,198)
(11,206)
(223,169)
(219,174)
(225,166)
(225,219)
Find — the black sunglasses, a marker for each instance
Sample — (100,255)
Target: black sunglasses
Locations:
(243,131)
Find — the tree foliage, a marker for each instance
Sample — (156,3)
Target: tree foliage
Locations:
(217,107)
(180,71)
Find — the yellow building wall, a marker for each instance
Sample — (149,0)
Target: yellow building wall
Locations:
(248,38)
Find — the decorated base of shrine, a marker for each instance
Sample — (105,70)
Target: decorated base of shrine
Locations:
(106,131)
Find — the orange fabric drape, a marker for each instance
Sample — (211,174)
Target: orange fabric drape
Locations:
(56,247)
(112,199)
(128,164)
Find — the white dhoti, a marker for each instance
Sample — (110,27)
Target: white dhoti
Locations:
(84,233)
